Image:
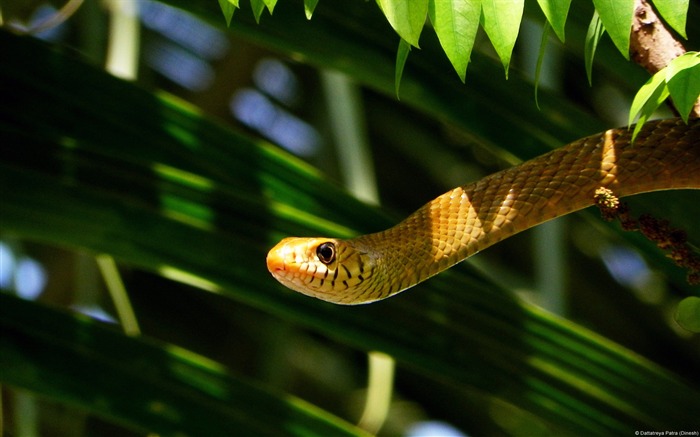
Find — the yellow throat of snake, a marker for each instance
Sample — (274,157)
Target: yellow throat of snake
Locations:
(467,219)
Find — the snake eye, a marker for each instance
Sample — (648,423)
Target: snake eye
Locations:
(326,253)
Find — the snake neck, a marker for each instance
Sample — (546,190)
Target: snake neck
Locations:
(467,219)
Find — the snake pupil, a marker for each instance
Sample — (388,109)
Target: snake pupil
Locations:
(326,253)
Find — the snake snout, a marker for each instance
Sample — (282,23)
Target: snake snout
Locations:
(286,258)
(275,262)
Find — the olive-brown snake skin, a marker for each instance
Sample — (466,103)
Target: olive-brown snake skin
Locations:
(467,219)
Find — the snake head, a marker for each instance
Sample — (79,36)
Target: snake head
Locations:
(325,268)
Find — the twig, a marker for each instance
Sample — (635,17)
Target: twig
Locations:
(672,240)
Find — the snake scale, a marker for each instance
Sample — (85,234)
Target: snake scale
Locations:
(665,155)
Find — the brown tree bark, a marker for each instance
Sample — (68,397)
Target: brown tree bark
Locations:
(652,44)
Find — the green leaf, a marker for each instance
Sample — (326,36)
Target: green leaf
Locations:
(680,80)
(549,369)
(258,7)
(401,57)
(407,18)
(456,23)
(683,79)
(501,21)
(556,12)
(593,35)
(150,386)
(546,30)
(688,314)
(616,16)
(674,12)
(309,6)
(228,7)
(270,5)
(649,97)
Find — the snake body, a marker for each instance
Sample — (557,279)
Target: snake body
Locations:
(467,219)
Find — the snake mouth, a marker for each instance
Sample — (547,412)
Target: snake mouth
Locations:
(288,276)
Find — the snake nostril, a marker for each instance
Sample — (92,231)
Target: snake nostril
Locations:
(275,264)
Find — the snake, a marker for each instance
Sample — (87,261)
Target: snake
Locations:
(665,155)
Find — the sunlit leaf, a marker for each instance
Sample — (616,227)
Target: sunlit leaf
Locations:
(258,7)
(228,8)
(556,12)
(680,80)
(674,12)
(407,18)
(683,79)
(501,21)
(649,97)
(595,32)
(616,16)
(309,6)
(456,23)
(270,5)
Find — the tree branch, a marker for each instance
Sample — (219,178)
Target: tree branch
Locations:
(652,44)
